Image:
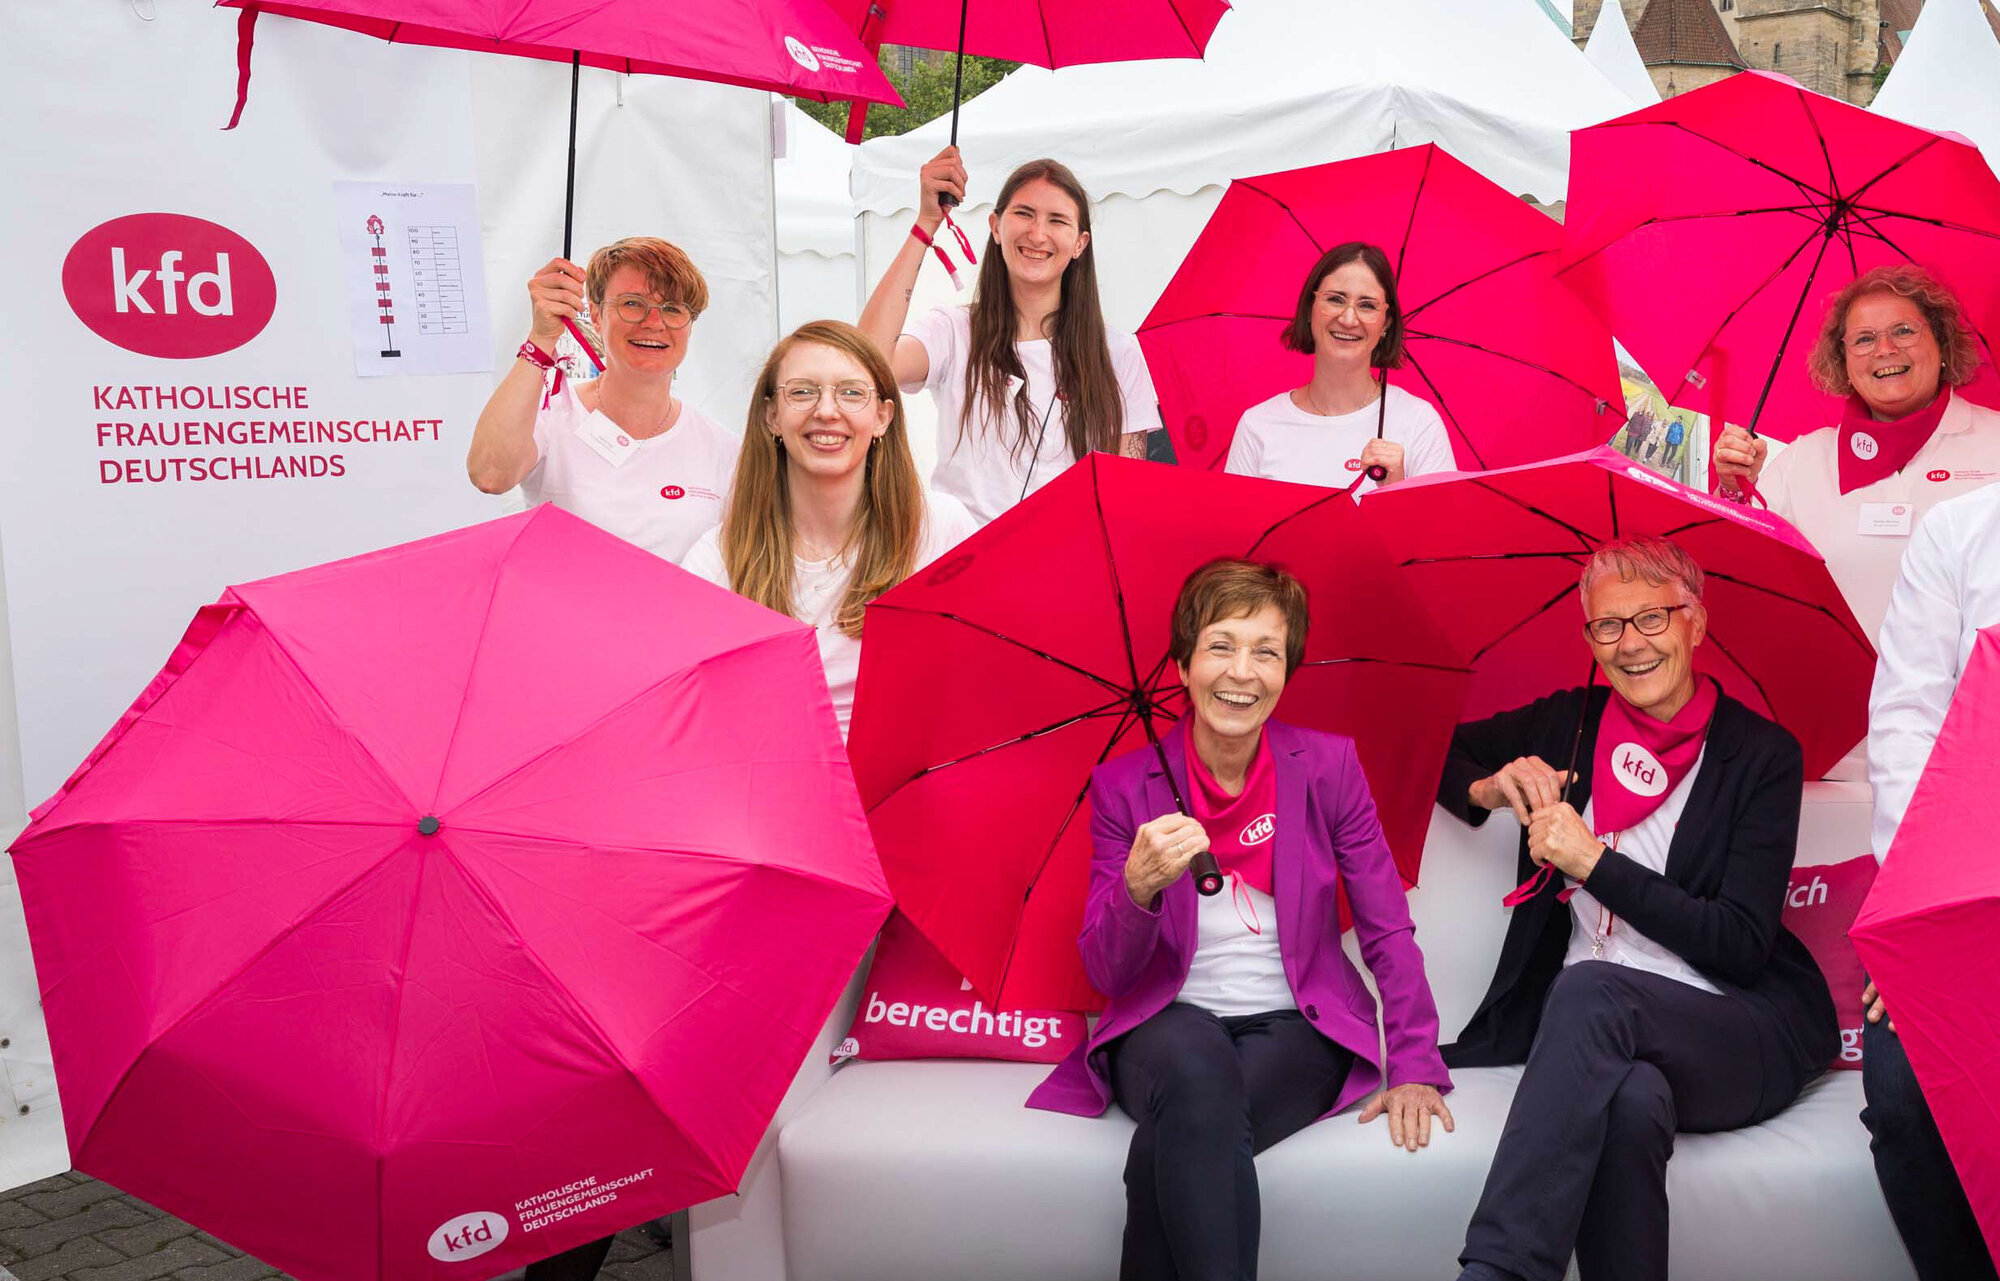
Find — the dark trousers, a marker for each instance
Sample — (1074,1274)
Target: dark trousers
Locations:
(578,1264)
(1925,1197)
(1208,1094)
(1623,1059)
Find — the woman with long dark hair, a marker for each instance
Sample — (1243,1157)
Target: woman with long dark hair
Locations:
(1026,377)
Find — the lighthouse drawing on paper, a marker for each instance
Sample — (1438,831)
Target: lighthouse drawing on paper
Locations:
(380,257)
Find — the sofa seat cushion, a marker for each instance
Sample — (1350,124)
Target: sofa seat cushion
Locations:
(928,1168)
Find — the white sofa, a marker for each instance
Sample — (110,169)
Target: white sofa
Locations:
(933,1169)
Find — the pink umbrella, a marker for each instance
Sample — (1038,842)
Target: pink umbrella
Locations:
(1518,368)
(436,904)
(1926,932)
(1501,552)
(993,682)
(795,47)
(1710,232)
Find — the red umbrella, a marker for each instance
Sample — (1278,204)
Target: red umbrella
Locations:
(796,47)
(1518,368)
(1711,230)
(1047,35)
(434,905)
(1926,932)
(993,682)
(1505,550)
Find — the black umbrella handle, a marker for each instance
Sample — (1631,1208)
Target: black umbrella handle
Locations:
(1207,874)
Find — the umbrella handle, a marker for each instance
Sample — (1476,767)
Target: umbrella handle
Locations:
(1377,473)
(1207,874)
(947,201)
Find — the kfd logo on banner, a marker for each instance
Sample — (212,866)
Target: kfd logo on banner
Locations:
(169,285)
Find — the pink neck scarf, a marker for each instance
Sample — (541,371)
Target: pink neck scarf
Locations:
(1242,828)
(1639,761)
(1870,450)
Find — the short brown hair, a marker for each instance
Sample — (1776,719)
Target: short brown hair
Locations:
(669,272)
(1827,362)
(1649,556)
(1229,588)
(1298,335)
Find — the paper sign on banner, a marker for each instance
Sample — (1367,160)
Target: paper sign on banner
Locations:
(416,287)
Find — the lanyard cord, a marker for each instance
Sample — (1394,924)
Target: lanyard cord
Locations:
(1041,433)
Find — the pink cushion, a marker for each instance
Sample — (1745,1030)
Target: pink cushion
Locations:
(1820,904)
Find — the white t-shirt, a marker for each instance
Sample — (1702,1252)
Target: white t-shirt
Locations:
(666,492)
(978,465)
(819,586)
(1645,844)
(1237,968)
(1280,441)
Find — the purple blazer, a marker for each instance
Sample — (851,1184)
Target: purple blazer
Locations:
(1327,833)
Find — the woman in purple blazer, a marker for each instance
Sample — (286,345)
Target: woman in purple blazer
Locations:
(1236,1020)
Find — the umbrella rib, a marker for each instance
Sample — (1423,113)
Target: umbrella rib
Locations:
(389,1063)
(1660,220)
(983,629)
(1330,496)
(1388,662)
(472,664)
(1814,606)
(1611,496)
(1805,291)
(1574,558)
(198,1006)
(1474,279)
(1709,345)
(1416,198)
(1444,407)
(1805,188)
(1304,230)
(1737,663)
(1157,325)
(1540,610)
(1523,361)
(1117,583)
(1095,713)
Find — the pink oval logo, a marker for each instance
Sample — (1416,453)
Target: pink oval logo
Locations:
(1354,464)
(1260,829)
(1195,429)
(673,491)
(948,570)
(1939,474)
(169,285)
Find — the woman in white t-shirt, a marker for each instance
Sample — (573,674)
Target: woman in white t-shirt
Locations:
(1026,377)
(827,512)
(1347,420)
(621,451)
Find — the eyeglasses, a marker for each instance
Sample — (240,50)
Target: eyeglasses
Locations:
(848,397)
(1865,342)
(1365,308)
(1610,629)
(633,310)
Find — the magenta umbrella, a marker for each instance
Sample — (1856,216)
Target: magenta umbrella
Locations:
(436,905)
(1926,932)
(1710,232)
(1518,368)
(795,47)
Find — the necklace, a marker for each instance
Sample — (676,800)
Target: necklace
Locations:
(666,417)
(1312,406)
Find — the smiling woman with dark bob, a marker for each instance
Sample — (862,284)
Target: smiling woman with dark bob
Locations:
(1236,1020)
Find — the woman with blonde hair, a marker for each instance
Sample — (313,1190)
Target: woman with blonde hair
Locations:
(826,512)
(1027,378)
(621,451)
(1895,343)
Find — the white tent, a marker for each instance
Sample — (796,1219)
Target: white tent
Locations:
(1610,50)
(818,273)
(1286,83)
(1948,76)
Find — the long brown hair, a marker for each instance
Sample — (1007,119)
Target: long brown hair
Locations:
(757,527)
(1094,411)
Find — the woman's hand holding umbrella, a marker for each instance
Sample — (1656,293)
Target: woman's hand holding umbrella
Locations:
(1558,838)
(1161,852)
(1382,460)
(1739,458)
(1525,784)
(943,177)
(555,296)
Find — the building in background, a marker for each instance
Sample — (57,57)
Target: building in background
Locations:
(1841,48)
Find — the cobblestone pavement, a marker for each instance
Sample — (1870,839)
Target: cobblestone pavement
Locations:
(73,1228)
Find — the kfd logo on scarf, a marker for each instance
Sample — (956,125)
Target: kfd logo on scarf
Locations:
(1638,770)
(1259,830)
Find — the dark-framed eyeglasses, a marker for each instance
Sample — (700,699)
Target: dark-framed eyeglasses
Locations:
(1610,629)
(633,310)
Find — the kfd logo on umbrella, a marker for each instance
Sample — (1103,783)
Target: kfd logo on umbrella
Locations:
(169,285)
(468,1236)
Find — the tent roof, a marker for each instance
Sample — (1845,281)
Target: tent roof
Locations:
(1612,51)
(810,179)
(1945,76)
(1286,83)
(1685,32)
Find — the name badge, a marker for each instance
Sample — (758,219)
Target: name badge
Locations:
(606,439)
(1886,520)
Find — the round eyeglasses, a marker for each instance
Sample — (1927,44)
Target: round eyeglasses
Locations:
(1610,629)
(633,310)
(848,397)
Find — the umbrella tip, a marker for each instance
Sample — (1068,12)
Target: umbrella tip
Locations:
(428,825)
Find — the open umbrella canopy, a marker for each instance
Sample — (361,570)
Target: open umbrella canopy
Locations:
(993,682)
(1034,31)
(1712,230)
(1517,367)
(1501,553)
(438,903)
(797,47)
(1926,932)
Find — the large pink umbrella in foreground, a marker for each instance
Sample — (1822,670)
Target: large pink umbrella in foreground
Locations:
(1711,231)
(1926,932)
(1517,366)
(477,897)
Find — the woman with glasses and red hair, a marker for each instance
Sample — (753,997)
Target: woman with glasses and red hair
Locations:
(621,451)
(1895,343)
(1645,978)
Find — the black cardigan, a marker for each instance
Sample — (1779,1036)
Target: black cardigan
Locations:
(1717,904)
